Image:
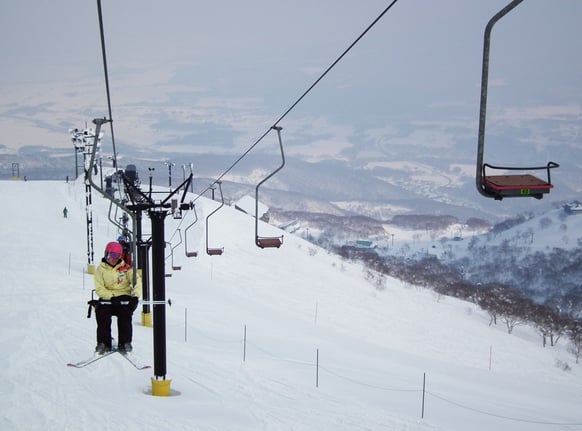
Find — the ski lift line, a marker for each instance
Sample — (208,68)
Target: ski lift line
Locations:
(343,54)
(502,186)
(214,251)
(268,242)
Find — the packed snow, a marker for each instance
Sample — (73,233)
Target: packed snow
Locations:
(325,348)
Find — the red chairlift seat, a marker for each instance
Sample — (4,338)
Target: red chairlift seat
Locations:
(270,242)
(517,185)
(214,251)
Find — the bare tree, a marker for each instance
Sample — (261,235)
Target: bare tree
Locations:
(549,323)
(574,331)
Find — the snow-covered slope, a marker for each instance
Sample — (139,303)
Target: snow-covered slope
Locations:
(325,350)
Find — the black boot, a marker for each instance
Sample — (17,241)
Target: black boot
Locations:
(125,348)
(102,348)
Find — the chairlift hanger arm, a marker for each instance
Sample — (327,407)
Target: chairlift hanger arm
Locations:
(88,173)
(214,251)
(263,242)
(484,87)
(179,242)
(190,253)
(113,219)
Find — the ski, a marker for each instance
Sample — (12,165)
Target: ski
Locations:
(90,360)
(135,361)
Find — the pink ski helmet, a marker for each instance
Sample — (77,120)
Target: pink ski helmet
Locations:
(113,247)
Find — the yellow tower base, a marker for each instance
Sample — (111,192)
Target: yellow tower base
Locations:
(90,268)
(161,388)
(146,319)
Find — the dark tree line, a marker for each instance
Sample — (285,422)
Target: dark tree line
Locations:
(552,277)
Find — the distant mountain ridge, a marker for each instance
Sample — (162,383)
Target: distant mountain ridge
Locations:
(330,187)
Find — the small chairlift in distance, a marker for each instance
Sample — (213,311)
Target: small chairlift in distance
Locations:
(262,241)
(169,274)
(190,253)
(174,266)
(214,251)
(504,186)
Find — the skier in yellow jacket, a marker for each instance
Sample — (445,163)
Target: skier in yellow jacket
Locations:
(117,297)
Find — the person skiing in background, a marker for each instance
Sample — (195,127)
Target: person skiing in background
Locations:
(65,212)
(117,297)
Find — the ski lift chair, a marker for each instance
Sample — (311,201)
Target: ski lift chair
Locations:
(262,241)
(214,251)
(190,253)
(171,256)
(176,267)
(507,185)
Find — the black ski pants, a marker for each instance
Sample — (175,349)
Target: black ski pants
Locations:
(104,313)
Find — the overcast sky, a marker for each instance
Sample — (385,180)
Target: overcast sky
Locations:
(212,76)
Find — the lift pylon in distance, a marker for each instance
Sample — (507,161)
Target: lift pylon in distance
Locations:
(214,251)
(506,185)
(262,241)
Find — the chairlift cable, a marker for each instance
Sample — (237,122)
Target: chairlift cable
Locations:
(305,93)
(300,98)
